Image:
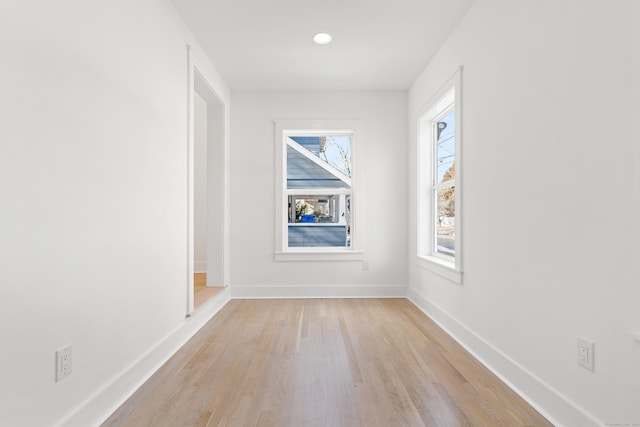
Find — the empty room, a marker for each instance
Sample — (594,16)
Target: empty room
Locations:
(304,213)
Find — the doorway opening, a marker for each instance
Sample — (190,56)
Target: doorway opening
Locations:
(207,202)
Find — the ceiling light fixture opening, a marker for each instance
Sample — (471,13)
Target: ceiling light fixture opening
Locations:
(322,38)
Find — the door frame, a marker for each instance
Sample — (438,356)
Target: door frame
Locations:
(210,89)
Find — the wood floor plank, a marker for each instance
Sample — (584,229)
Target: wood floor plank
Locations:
(331,362)
(201,292)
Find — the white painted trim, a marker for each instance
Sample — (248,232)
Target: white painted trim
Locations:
(555,407)
(319,291)
(320,255)
(425,215)
(441,267)
(284,128)
(318,192)
(200,267)
(214,91)
(101,405)
(190,176)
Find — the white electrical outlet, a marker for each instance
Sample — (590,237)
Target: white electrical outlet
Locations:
(585,354)
(63,362)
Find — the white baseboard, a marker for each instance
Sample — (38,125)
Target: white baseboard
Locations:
(319,291)
(199,267)
(557,408)
(97,408)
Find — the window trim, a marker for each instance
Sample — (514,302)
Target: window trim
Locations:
(318,128)
(427,257)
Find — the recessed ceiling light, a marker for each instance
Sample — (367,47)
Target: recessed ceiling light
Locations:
(322,38)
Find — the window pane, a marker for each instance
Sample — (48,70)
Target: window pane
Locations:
(324,209)
(319,161)
(446,221)
(446,148)
(319,221)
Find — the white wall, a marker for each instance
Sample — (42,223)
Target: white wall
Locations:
(382,142)
(200,184)
(93,178)
(218,197)
(547,171)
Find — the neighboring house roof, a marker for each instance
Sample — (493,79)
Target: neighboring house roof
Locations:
(306,170)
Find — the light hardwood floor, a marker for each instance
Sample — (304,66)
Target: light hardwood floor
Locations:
(202,293)
(323,362)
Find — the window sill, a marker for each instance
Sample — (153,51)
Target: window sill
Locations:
(319,256)
(441,267)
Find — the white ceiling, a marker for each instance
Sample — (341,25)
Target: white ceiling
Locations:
(267,44)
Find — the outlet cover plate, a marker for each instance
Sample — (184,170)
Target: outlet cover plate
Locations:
(584,352)
(63,362)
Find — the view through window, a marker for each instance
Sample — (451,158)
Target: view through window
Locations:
(444,186)
(318,189)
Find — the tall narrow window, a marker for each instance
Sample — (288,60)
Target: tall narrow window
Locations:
(439,182)
(316,185)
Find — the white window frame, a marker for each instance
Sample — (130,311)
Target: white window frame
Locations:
(355,251)
(427,117)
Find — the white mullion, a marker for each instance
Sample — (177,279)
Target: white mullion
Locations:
(318,191)
(446,184)
(342,132)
